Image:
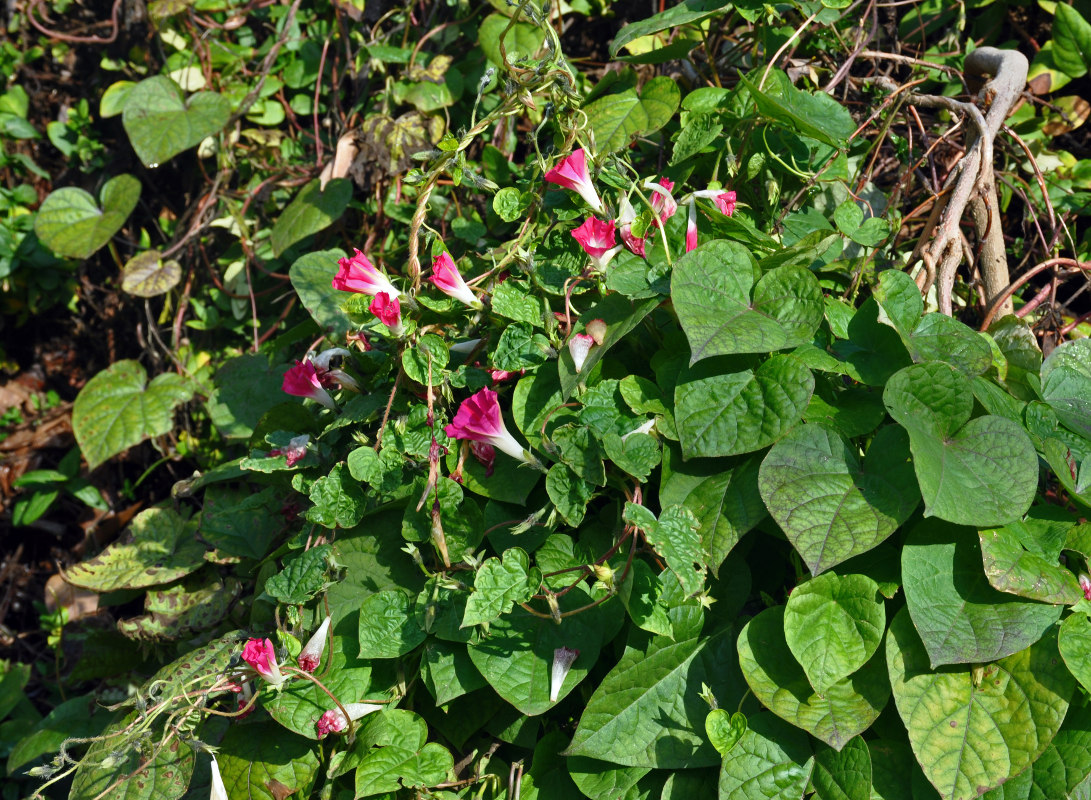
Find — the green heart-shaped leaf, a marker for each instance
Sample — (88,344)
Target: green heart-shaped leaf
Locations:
(618,118)
(960,617)
(72,225)
(148,275)
(160,124)
(1066,385)
(739,412)
(830,505)
(989,459)
(973,728)
(119,408)
(833,624)
(726,306)
(779,682)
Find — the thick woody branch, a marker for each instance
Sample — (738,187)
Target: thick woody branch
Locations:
(971,182)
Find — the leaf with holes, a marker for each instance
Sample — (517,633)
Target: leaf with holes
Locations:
(160,124)
(71,224)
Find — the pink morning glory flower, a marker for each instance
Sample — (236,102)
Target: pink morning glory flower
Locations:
(261,656)
(572,174)
(479,420)
(448,279)
(311,655)
(357,274)
(335,721)
(303,380)
(563,658)
(691,227)
(389,312)
(295,450)
(579,346)
(663,203)
(635,244)
(724,200)
(598,239)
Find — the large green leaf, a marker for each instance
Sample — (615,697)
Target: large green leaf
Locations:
(981,471)
(830,505)
(311,276)
(844,774)
(960,617)
(162,548)
(1066,383)
(388,627)
(522,40)
(516,657)
(312,210)
(119,408)
(617,119)
(873,351)
(772,761)
(1071,41)
(648,711)
(816,115)
(601,780)
(739,412)
(722,495)
(387,769)
(688,11)
(244,389)
(779,682)
(71,224)
(725,305)
(255,758)
(160,124)
(833,624)
(1074,642)
(973,728)
(1012,568)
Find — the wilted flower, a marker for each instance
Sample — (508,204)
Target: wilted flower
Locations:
(328,376)
(448,279)
(597,238)
(311,655)
(486,454)
(357,274)
(563,658)
(245,692)
(691,227)
(579,346)
(295,450)
(479,420)
(261,656)
(335,721)
(219,791)
(302,380)
(724,200)
(645,428)
(596,329)
(389,312)
(572,174)
(1085,584)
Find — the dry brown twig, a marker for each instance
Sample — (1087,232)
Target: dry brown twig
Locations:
(971,183)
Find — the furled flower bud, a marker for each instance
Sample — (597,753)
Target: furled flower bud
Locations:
(596,329)
(691,227)
(1085,584)
(663,202)
(334,721)
(563,658)
(635,244)
(448,279)
(579,346)
(218,791)
(261,656)
(311,655)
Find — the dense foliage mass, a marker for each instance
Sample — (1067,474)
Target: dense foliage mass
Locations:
(647,431)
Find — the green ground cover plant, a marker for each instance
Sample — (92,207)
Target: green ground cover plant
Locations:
(656,431)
